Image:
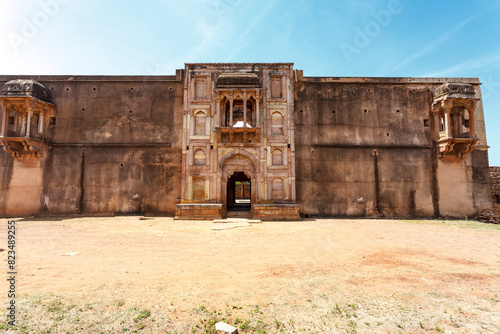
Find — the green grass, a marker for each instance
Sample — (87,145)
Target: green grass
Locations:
(471,224)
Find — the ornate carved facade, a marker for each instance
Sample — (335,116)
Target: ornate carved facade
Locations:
(238,129)
(453,109)
(28,112)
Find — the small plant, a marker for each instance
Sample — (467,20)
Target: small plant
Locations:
(439,329)
(260,327)
(237,321)
(279,325)
(421,325)
(201,309)
(245,325)
(142,315)
(55,307)
(257,310)
(120,303)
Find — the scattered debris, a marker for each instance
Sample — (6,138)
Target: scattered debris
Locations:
(225,328)
(491,216)
(70,254)
(237,220)
(230,225)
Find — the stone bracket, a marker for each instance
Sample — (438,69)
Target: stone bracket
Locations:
(23,146)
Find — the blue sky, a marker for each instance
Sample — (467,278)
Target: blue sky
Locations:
(401,38)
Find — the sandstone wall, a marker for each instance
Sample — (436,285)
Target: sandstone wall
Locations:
(495,184)
(115,148)
(364,148)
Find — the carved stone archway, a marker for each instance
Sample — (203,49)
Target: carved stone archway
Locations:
(239,161)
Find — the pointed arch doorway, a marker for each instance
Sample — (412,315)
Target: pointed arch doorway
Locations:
(239,178)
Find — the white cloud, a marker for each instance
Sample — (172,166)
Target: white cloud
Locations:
(436,43)
(482,63)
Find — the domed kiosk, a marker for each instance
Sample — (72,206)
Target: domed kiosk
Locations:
(28,111)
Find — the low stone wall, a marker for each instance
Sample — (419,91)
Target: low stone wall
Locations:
(276,211)
(201,211)
(493,215)
(495,184)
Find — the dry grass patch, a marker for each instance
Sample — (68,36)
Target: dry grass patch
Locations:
(317,276)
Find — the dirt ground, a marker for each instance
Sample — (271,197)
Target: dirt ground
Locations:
(158,275)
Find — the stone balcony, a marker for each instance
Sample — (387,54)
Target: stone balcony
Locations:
(238,135)
(455,146)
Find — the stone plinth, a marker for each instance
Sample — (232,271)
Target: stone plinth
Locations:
(276,211)
(198,211)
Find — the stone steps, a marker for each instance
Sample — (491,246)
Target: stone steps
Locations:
(239,214)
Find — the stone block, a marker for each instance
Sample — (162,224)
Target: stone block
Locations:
(224,328)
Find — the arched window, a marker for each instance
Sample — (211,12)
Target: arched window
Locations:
(276,124)
(200,123)
(198,188)
(277,156)
(277,189)
(199,157)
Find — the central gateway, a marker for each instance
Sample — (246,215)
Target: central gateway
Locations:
(238,142)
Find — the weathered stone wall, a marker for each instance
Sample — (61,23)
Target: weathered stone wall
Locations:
(115,148)
(364,148)
(495,184)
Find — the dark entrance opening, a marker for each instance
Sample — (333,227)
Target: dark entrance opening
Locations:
(239,192)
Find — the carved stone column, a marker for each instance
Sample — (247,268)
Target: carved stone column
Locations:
(257,107)
(5,119)
(217,117)
(245,108)
(471,106)
(230,108)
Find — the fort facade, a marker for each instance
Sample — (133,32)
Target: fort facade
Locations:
(248,140)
